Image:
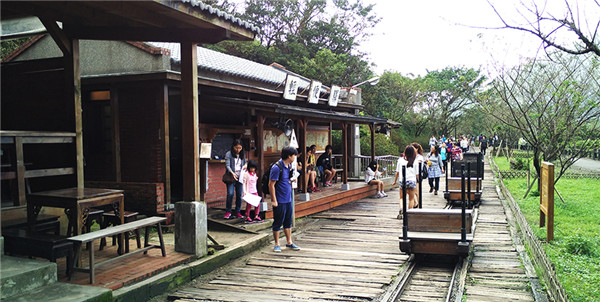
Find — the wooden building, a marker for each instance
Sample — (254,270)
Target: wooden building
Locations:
(42,117)
(131,99)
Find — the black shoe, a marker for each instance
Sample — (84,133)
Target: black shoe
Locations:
(430,190)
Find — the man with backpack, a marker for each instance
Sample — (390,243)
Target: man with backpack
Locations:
(280,189)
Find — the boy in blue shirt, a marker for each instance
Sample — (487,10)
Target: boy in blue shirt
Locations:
(281,198)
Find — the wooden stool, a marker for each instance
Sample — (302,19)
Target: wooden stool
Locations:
(111,219)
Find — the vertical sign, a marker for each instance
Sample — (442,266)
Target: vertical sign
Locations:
(547,199)
(314,92)
(334,95)
(291,88)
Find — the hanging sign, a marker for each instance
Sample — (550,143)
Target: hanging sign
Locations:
(293,140)
(291,88)
(315,92)
(334,95)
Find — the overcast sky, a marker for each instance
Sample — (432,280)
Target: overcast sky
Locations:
(415,36)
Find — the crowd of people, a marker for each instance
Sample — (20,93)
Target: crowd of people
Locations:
(241,177)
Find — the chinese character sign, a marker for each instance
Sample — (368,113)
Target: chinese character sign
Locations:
(334,95)
(315,92)
(291,88)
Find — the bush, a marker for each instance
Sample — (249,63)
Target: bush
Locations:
(383,145)
(518,164)
(580,245)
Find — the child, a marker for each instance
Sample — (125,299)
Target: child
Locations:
(250,179)
(370,178)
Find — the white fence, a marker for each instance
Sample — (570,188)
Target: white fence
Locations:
(387,162)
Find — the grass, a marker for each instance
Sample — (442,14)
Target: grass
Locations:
(575,250)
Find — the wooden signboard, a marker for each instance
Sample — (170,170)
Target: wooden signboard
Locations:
(547,199)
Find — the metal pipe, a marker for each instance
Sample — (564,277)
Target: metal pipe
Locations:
(404,216)
(469,183)
(420,185)
(463,230)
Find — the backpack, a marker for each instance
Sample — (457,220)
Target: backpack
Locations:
(424,171)
(264,181)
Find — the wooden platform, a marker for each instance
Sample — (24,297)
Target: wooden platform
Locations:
(329,197)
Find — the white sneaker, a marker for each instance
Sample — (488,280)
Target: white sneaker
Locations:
(383,194)
(380,195)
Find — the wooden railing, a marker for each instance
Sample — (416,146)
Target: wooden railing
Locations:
(14,167)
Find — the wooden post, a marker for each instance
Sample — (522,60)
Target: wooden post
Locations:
(372,128)
(114,111)
(547,199)
(20,171)
(302,144)
(345,153)
(190,118)
(164,129)
(73,77)
(260,142)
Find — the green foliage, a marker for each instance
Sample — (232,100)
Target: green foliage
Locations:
(309,37)
(518,164)
(575,250)
(449,93)
(9,46)
(383,145)
(580,245)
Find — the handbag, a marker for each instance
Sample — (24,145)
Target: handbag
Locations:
(264,206)
(228,178)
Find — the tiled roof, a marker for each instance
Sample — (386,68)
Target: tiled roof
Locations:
(222,14)
(223,63)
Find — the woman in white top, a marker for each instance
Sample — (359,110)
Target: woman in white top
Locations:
(419,159)
(408,160)
(371,173)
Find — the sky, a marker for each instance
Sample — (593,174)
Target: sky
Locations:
(416,36)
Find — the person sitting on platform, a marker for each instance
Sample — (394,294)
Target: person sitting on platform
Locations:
(370,175)
(324,164)
(310,173)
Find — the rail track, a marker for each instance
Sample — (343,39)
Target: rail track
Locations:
(427,279)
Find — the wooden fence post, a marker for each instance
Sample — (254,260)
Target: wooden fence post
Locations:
(547,199)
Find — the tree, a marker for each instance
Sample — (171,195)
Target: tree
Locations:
(554,104)
(306,36)
(448,93)
(566,30)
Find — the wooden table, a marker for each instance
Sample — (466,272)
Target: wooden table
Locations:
(76,203)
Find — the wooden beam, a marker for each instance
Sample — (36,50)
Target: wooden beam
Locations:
(61,39)
(190,119)
(191,35)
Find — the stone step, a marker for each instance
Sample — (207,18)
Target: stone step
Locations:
(20,275)
(65,292)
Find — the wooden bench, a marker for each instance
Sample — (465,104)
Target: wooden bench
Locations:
(34,244)
(117,230)
(437,231)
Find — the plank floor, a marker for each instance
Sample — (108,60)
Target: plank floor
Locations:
(496,272)
(348,253)
(351,253)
